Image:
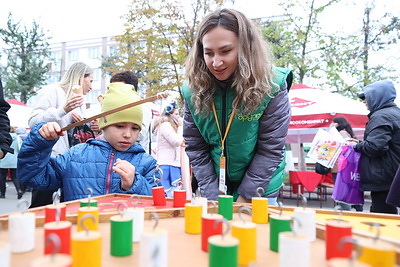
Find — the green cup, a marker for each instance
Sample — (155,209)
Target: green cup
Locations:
(225,206)
(121,236)
(277,224)
(85,203)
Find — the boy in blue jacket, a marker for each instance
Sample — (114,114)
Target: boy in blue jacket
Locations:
(113,163)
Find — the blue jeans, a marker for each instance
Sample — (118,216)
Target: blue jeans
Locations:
(272,201)
(170,179)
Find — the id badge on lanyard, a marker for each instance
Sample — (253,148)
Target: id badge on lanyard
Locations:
(222,171)
(222,160)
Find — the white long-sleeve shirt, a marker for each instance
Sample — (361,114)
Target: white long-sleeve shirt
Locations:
(49,107)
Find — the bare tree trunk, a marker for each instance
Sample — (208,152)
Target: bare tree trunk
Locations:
(366,30)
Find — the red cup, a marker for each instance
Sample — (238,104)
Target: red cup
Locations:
(159,196)
(208,228)
(51,212)
(63,231)
(179,198)
(334,232)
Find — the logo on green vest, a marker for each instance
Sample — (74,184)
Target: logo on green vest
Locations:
(252,117)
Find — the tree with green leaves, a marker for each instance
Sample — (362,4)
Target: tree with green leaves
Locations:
(340,62)
(27,51)
(158,36)
(296,38)
(378,34)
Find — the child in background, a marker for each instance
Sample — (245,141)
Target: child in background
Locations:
(168,151)
(114,163)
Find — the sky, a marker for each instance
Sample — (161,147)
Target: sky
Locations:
(81,19)
(84,19)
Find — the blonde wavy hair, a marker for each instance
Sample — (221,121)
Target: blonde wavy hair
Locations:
(165,118)
(168,118)
(252,79)
(74,76)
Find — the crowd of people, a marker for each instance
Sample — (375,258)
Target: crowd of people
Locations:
(235,119)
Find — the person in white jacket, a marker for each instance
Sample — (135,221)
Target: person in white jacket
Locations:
(168,153)
(58,103)
(63,103)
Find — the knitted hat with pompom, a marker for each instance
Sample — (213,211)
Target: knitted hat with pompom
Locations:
(169,109)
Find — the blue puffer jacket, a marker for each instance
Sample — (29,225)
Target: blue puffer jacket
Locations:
(83,166)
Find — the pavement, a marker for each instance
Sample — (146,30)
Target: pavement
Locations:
(313,199)
(10,203)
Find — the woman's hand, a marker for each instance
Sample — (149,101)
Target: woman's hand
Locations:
(127,172)
(351,141)
(242,199)
(74,102)
(50,131)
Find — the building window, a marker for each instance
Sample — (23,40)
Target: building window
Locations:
(94,52)
(113,50)
(56,64)
(73,55)
(96,74)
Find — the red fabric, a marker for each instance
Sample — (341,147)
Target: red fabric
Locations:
(310,180)
(15,102)
(295,188)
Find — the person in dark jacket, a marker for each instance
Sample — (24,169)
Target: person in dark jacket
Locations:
(114,163)
(237,110)
(5,137)
(380,148)
(9,165)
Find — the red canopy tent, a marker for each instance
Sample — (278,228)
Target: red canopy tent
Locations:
(18,114)
(315,108)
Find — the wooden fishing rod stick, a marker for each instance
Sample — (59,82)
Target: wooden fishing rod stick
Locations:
(150,99)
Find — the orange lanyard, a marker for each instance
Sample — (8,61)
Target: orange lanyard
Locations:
(227,127)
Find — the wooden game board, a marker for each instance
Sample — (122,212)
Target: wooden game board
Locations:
(185,248)
(108,207)
(389,225)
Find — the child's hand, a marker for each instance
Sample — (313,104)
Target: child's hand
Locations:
(127,172)
(50,131)
(76,117)
(94,126)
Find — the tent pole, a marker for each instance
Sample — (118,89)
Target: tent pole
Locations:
(301,161)
(302,156)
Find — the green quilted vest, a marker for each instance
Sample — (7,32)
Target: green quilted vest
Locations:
(240,144)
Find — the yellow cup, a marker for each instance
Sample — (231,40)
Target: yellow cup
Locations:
(259,209)
(89,224)
(193,213)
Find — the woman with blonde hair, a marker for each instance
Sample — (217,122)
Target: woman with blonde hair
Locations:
(58,102)
(237,109)
(63,103)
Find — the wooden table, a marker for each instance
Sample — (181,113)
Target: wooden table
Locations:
(310,181)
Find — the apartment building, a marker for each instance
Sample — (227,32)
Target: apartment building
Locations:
(89,51)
